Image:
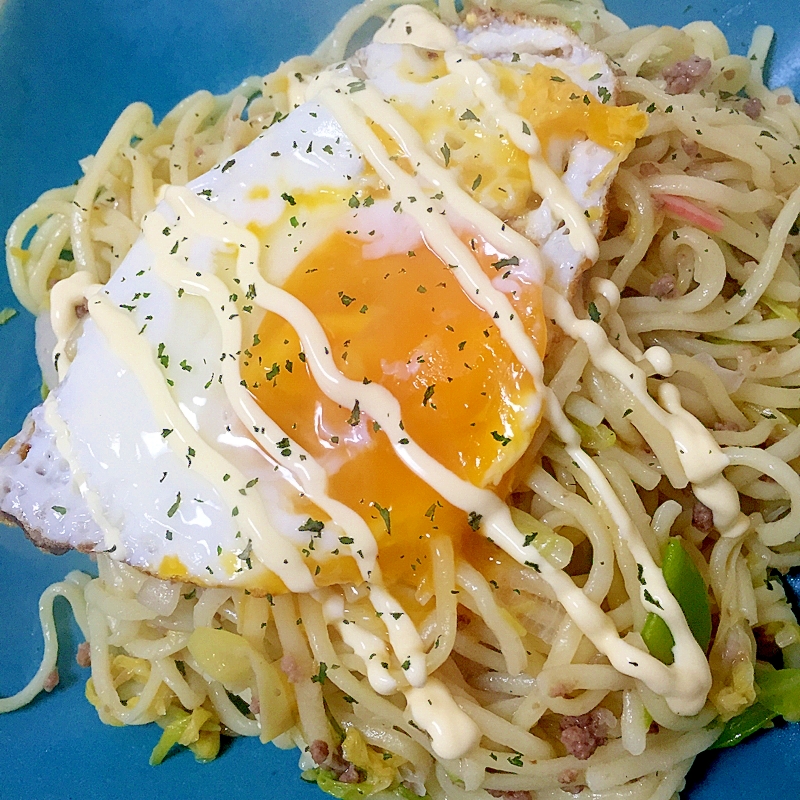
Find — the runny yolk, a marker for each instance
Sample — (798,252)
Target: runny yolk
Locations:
(402,321)
(557,107)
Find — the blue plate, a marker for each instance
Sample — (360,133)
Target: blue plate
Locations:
(67,69)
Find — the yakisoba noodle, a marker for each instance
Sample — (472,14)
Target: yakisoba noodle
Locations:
(705,323)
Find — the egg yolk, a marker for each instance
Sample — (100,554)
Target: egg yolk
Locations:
(556,106)
(404,322)
(488,163)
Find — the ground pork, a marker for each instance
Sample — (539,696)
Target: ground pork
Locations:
(523,795)
(84,655)
(584,734)
(291,669)
(51,681)
(647,169)
(690,147)
(702,517)
(684,76)
(753,108)
(351,775)
(319,750)
(663,286)
(568,780)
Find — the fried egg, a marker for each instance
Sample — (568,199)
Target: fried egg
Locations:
(314,348)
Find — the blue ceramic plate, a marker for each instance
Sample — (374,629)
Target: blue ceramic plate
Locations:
(67,69)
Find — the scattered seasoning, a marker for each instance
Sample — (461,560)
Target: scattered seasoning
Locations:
(513,261)
(321,676)
(498,437)
(273,372)
(175,506)
(164,359)
(355,415)
(385,516)
(312,525)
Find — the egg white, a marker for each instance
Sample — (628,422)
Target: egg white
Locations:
(113,467)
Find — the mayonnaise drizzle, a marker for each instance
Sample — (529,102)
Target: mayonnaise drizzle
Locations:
(700,456)
(452,731)
(201,220)
(440,236)
(65,298)
(136,352)
(684,684)
(416,26)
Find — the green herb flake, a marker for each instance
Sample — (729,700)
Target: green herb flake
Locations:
(273,372)
(175,506)
(385,516)
(498,437)
(652,600)
(506,262)
(312,525)
(321,676)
